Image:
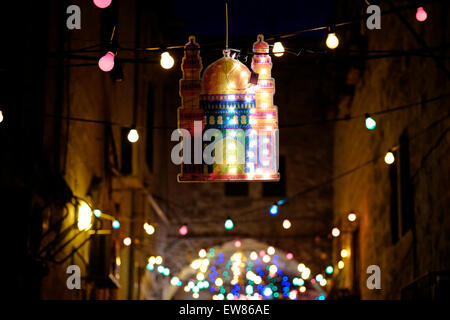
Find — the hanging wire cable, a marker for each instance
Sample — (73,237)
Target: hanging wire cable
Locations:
(289,125)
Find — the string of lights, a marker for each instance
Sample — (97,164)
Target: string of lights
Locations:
(107,61)
(370,122)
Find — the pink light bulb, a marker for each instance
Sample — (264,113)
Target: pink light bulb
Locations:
(183,230)
(102,4)
(289,256)
(421,14)
(237,243)
(106,63)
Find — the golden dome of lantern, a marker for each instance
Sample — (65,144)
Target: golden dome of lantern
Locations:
(226,76)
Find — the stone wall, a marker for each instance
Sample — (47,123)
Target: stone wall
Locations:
(382,84)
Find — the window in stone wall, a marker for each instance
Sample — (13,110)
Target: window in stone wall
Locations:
(126,152)
(406,198)
(394,200)
(277,189)
(401,203)
(150,124)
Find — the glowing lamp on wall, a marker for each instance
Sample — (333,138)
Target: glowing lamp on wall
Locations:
(84,217)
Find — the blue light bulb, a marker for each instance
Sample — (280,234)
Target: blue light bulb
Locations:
(229,224)
(274,209)
(370,122)
(116,224)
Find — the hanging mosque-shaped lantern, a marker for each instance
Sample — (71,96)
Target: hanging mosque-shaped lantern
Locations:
(228,123)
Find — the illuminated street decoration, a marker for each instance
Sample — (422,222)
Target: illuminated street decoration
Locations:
(242,277)
(235,105)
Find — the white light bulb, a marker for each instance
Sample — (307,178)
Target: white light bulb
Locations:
(278,49)
(167,61)
(133,136)
(332,40)
(286,224)
(389,158)
(1,116)
(149,229)
(127,241)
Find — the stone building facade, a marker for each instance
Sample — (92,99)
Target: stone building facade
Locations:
(64,142)
(402,222)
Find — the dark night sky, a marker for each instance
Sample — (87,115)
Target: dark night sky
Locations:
(248,18)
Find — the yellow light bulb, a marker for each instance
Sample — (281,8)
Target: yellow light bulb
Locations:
(344,253)
(133,136)
(200,276)
(306,273)
(127,241)
(202,253)
(332,40)
(341,264)
(335,232)
(158,260)
(167,61)
(219,282)
(84,216)
(351,217)
(389,158)
(149,229)
(278,49)
(286,224)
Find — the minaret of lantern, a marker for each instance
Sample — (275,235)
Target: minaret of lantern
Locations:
(190,88)
(264,119)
